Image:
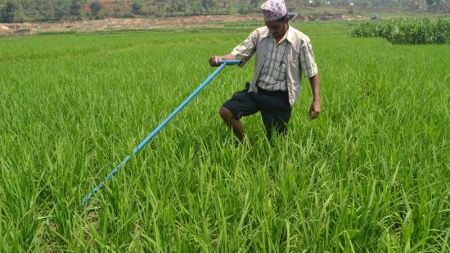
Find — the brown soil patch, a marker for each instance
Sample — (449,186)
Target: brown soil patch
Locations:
(115,24)
(354,17)
(112,24)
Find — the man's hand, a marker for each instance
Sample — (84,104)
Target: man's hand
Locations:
(314,110)
(214,61)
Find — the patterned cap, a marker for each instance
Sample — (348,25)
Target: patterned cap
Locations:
(273,9)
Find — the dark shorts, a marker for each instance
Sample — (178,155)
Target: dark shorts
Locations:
(273,105)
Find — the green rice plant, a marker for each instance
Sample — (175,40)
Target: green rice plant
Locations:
(370,175)
(406,30)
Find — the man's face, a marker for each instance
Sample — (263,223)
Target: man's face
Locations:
(276,28)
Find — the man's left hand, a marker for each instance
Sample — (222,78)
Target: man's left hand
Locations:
(314,110)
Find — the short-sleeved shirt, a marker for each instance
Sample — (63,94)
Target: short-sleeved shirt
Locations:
(298,57)
(273,72)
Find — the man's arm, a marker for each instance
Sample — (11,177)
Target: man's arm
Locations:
(243,51)
(314,110)
(214,60)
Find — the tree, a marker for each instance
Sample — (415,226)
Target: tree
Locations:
(160,7)
(61,9)
(176,6)
(75,9)
(95,7)
(12,12)
(136,8)
(45,9)
(8,12)
(433,4)
(206,4)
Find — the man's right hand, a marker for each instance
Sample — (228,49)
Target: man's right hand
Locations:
(314,110)
(214,61)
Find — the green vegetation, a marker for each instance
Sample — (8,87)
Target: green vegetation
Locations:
(370,175)
(51,10)
(406,30)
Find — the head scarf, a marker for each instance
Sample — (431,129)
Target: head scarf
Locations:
(274,10)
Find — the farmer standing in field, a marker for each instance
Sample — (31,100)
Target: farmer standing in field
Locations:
(282,53)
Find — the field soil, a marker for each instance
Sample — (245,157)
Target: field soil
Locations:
(111,24)
(114,24)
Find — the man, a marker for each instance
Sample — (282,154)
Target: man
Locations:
(282,54)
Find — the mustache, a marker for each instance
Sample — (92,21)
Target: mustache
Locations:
(275,33)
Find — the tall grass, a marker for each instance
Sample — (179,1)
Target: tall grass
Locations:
(370,175)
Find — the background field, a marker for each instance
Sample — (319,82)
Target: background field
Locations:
(371,174)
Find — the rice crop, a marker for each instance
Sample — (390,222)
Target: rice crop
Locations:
(406,30)
(371,174)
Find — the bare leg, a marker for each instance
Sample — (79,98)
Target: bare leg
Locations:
(232,122)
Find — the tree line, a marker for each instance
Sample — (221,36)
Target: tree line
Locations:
(57,10)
